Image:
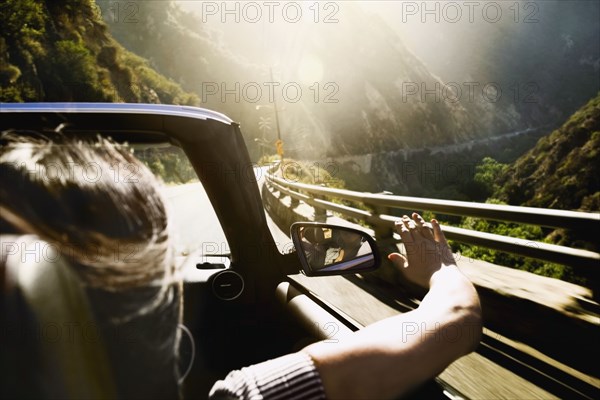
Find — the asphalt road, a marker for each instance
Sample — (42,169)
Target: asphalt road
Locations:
(194,224)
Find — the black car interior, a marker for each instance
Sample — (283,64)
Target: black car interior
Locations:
(270,317)
(227,334)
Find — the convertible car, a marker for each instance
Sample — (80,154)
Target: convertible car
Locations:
(240,307)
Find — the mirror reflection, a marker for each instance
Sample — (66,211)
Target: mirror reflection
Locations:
(330,249)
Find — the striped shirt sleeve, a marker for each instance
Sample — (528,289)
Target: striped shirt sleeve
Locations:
(292,376)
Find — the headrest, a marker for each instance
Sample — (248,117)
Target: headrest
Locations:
(73,361)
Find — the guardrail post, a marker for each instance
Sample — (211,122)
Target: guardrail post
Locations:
(294,202)
(320,213)
(383,231)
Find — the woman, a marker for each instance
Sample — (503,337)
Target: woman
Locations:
(383,360)
(112,233)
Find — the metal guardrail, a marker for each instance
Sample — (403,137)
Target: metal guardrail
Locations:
(381,221)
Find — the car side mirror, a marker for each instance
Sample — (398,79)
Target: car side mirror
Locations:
(325,249)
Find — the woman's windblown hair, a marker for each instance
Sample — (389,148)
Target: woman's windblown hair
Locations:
(102,209)
(95,201)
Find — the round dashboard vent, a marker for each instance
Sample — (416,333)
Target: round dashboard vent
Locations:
(228,285)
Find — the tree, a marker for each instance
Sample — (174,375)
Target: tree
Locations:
(487,173)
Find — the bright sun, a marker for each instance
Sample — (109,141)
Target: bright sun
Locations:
(310,70)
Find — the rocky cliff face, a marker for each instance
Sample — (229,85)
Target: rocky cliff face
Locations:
(444,171)
(387,99)
(544,55)
(344,88)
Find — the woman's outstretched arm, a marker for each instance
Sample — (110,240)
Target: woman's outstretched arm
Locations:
(392,356)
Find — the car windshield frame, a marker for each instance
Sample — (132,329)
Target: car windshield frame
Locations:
(212,142)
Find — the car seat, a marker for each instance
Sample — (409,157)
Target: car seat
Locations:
(46,315)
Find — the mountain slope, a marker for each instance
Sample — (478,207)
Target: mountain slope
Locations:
(62,51)
(362,90)
(563,170)
(545,55)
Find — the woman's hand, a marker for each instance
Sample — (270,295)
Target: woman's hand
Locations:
(427,250)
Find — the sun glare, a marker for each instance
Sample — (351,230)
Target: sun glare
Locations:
(310,70)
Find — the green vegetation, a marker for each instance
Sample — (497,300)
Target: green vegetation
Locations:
(560,172)
(170,164)
(442,174)
(62,51)
(563,170)
(524,234)
(487,174)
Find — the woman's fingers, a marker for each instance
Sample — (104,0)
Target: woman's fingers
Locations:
(398,260)
(438,235)
(403,229)
(423,228)
(413,228)
(411,238)
(444,248)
